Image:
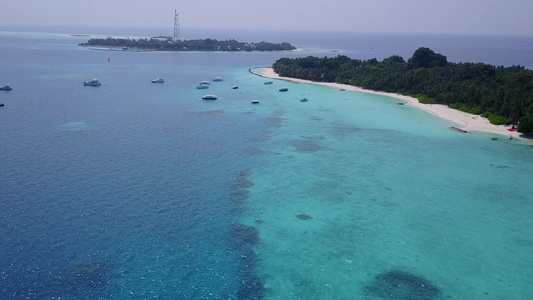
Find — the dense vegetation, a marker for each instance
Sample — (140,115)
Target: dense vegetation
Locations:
(188,45)
(502,94)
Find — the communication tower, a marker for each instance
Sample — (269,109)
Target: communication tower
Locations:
(176,26)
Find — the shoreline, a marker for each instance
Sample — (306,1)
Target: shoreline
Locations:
(465,121)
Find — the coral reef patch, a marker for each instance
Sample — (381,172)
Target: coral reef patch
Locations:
(304,217)
(401,285)
(244,238)
(85,276)
(307,144)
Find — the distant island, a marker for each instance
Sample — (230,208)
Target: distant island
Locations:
(167,44)
(504,95)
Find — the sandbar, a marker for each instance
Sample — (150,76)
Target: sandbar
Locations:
(465,121)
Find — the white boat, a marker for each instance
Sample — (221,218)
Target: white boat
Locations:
(92,82)
(6,87)
(158,80)
(217,79)
(205,82)
(209,97)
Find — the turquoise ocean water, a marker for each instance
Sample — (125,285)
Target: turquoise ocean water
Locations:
(134,190)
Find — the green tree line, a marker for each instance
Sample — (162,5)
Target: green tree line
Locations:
(502,94)
(188,45)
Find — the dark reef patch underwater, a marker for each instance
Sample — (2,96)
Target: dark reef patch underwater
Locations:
(85,275)
(240,185)
(307,145)
(304,217)
(401,285)
(241,180)
(244,238)
(75,280)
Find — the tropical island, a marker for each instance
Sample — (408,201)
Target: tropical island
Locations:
(167,44)
(504,95)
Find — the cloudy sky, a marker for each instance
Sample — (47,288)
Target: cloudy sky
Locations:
(442,16)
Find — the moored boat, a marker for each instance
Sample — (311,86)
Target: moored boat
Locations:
(1,104)
(269,82)
(235,87)
(202,86)
(255,101)
(304,100)
(209,97)
(92,82)
(158,80)
(283,89)
(6,87)
(217,79)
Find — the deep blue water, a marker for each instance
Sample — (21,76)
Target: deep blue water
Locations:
(120,191)
(135,190)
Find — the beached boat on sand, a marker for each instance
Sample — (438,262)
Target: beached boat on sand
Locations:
(458,129)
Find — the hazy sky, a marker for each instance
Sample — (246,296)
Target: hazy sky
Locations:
(443,16)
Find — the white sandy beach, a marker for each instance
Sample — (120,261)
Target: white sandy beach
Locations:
(464,121)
